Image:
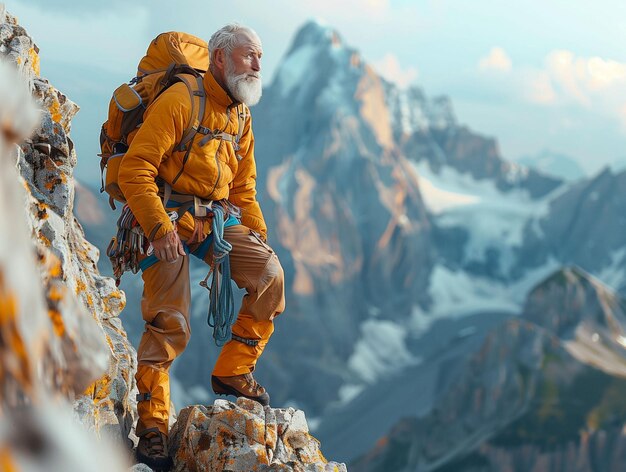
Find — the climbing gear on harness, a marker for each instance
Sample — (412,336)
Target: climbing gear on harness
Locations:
(125,248)
(142,397)
(242,385)
(221,314)
(129,244)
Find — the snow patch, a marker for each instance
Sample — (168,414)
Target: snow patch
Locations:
(493,219)
(438,200)
(457,294)
(380,352)
(349,391)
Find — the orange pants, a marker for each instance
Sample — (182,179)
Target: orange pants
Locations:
(165,308)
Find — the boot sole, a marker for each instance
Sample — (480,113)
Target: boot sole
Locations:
(220,388)
(158,465)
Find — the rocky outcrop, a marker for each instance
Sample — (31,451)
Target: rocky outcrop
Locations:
(534,397)
(245,437)
(60,338)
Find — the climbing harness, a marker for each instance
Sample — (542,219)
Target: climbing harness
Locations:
(125,251)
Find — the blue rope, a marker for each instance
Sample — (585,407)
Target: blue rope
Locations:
(221,299)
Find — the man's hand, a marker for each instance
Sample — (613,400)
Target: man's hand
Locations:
(168,248)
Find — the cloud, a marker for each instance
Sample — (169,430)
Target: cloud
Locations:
(569,73)
(604,73)
(584,84)
(496,60)
(585,80)
(389,67)
(540,89)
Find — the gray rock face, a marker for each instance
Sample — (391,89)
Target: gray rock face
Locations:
(581,300)
(469,153)
(530,398)
(584,226)
(61,339)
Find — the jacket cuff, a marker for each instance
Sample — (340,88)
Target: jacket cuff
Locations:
(159,230)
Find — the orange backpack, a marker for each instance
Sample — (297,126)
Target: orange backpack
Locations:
(171,57)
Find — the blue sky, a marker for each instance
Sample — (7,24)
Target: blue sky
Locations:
(533,74)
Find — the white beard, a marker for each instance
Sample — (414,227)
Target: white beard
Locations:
(245,88)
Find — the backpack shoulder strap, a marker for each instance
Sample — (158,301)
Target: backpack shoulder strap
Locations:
(198,101)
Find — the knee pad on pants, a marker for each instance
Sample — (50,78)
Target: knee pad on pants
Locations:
(165,339)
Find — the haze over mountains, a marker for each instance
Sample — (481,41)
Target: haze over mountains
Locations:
(420,275)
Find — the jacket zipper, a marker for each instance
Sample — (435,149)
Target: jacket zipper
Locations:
(219,170)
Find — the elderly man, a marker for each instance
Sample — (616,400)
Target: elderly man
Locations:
(220,170)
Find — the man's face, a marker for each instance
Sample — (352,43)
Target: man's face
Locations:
(243,70)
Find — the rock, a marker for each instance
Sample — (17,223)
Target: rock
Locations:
(60,339)
(140,468)
(245,437)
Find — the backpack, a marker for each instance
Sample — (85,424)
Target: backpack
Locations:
(171,57)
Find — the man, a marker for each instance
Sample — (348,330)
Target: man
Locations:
(219,170)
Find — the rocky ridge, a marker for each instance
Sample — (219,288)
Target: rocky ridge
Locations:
(62,340)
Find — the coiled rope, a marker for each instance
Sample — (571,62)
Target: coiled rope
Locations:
(221,299)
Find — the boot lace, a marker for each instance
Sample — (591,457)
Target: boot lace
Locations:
(253,383)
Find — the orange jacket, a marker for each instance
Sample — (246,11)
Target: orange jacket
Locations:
(211,172)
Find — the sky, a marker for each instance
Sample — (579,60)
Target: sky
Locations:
(535,75)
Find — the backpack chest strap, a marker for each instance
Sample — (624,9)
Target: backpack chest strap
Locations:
(217,134)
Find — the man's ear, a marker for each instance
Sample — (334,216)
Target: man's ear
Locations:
(219,59)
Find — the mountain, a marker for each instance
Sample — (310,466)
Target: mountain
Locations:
(582,225)
(344,211)
(542,391)
(554,163)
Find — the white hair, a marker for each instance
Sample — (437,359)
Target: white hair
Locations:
(227,37)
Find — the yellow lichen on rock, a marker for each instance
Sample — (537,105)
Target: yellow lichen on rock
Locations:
(34,61)
(55,111)
(15,371)
(100,389)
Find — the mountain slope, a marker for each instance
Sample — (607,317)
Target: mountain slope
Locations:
(583,225)
(534,395)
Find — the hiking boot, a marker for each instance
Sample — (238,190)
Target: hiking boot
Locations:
(152,451)
(242,385)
